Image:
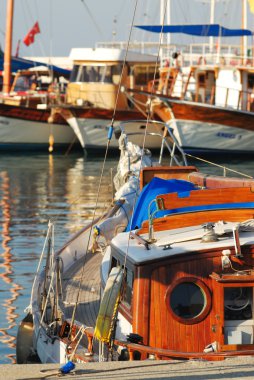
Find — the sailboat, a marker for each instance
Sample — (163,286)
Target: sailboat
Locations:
(180,262)
(166,273)
(24,114)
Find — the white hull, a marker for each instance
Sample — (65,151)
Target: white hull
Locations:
(197,136)
(18,133)
(93,133)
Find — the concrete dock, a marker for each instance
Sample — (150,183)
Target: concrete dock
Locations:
(232,368)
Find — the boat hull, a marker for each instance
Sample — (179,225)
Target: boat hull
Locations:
(195,136)
(204,128)
(28,129)
(93,133)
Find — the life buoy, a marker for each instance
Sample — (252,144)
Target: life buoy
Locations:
(109,305)
(201,60)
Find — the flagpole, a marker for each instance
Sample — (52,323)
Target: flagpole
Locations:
(8,47)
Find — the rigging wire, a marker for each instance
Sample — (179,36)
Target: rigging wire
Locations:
(102,171)
(147,119)
(92,18)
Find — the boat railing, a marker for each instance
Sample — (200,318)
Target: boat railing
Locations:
(168,140)
(220,96)
(190,54)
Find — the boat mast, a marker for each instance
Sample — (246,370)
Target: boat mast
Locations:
(163,21)
(244,26)
(211,22)
(8,47)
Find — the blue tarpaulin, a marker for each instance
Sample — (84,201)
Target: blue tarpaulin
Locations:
(160,186)
(24,64)
(202,30)
(156,187)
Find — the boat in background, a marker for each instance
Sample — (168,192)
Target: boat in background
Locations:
(24,111)
(210,109)
(210,104)
(179,263)
(95,94)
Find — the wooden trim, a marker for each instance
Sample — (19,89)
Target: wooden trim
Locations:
(236,347)
(212,181)
(205,311)
(206,197)
(233,278)
(173,221)
(164,353)
(126,311)
(165,172)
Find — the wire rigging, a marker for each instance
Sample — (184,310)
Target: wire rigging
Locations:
(92,18)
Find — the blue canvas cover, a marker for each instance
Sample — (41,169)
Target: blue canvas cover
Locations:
(18,63)
(160,186)
(156,187)
(202,30)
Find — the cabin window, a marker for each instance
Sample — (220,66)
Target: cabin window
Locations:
(238,303)
(96,74)
(251,81)
(127,297)
(188,300)
(74,73)
(144,74)
(114,263)
(201,80)
(23,83)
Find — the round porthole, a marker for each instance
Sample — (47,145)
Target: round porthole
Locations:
(188,300)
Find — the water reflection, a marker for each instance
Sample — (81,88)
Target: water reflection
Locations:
(6,338)
(34,189)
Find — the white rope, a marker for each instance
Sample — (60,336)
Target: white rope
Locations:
(50,224)
(45,306)
(247,225)
(53,269)
(82,330)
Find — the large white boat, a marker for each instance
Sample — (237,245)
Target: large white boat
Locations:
(96,94)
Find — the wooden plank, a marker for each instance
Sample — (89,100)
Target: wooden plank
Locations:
(165,172)
(82,283)
(212,181)
(206,197)
(196,218)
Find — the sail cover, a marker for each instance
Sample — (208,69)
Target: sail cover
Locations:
(202,30)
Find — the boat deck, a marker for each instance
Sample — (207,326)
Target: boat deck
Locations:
(82,281)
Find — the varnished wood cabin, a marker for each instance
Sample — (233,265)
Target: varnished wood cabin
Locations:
(189,286)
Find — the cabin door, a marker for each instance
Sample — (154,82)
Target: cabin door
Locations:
(236,304)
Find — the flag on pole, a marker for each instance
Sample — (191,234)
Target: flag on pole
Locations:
(251,4)
(29,38)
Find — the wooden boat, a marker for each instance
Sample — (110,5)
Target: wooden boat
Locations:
(210,110)
(96,85)
(176,273)
(24,112)
(209,103)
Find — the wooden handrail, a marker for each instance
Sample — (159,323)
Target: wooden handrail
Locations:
(164,353)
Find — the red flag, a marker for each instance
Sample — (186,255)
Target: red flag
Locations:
(29,38)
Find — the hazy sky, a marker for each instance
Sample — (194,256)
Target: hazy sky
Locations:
(75,23)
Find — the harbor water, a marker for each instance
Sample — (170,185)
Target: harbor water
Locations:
(34,189)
